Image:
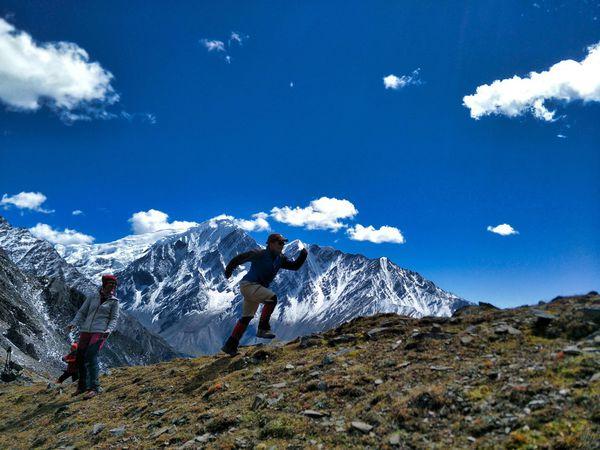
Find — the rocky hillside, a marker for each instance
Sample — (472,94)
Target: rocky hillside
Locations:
(485,378)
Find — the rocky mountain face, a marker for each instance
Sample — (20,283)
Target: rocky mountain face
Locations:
(38,257)
(178,289)
(36,341)
(527,377)
(40,293)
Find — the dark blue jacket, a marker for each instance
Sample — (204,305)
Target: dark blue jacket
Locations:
(265,265)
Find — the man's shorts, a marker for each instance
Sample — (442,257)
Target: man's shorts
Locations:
(254,294)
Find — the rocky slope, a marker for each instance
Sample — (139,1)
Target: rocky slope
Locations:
(485,378)
(39,295)
(177,289)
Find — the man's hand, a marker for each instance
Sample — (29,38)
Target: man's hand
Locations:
(70,327)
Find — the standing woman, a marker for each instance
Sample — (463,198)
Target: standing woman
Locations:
(98,316)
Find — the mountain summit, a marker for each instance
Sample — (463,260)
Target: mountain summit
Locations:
(178,289)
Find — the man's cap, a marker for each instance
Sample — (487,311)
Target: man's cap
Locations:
(275,237)
(109,279)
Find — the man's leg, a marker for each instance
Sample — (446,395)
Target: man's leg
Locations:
(63,377)
(84,339)
(232,343)
(264,327)
(249,307)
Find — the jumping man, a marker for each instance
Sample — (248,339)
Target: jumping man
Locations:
(255,287)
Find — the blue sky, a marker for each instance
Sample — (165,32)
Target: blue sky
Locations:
(298,110)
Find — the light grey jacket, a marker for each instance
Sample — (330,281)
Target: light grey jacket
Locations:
(96,317)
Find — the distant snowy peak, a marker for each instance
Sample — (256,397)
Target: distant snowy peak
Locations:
(96,259)
(178,289)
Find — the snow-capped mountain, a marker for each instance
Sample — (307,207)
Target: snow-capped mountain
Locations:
(177,288)
(40,293)
(38,257)
(95,259)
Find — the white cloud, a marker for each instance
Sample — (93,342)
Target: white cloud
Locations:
(57,73)
(377,236)
(77,212)
(257,223)
(25,200)
(561,136)
(153,220)
(66,237)
(566,81)
(213,45)
(393,82)
(322,214)
(237,37)
(502,229)
(217,46)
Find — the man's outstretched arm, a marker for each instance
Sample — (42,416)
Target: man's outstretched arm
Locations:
(295,265)
(239,259)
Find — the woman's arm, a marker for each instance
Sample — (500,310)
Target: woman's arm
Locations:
(81,313)
(114,317)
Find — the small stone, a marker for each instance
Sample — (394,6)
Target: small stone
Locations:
(321,386)
(439,368)
(328,359)
(362,426)
(378,381)
(260,401)
(374,332)
(343,338)
(396,344)
(563,392)
(404,364)
(203,438)
(506,329)
(119,431)
(466,340)
(314,374)
(543,314)
(471,439)
(527,411)
(595,377)
(161,431)
(313,414)
(279,385)
(98,427)
(289,367)
(536,404)
(342,351)
(571,350)
(394,439)
(159,412)
(507,430)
